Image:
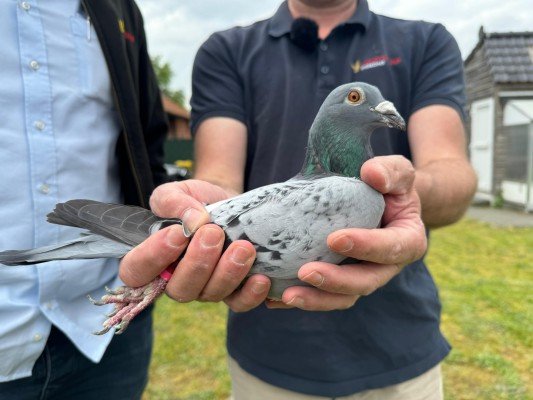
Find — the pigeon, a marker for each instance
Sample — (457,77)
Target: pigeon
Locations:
(287,222)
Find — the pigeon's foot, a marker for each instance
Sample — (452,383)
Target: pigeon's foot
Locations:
(128,303)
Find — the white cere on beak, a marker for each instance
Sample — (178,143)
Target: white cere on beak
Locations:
(386,107)
(389,115)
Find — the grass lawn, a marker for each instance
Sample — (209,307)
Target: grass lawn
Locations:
(485,276)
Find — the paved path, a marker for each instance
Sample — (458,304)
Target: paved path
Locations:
(500,217)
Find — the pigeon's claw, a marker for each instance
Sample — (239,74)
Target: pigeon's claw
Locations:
(119,290)
(129,302)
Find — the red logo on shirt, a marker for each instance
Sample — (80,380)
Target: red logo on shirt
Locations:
(127,35)
(373,62)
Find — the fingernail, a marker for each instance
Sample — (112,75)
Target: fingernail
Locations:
(296,302)
(240,255)
(174,237)
(259,287)
(192,219)
(210,237)
(314,278)
(342,244)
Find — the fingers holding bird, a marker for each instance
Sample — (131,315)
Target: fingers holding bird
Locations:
(400,243)
(197,264)
(147,260)
(402,237)
(335,287)
(185,200)
(393,174)
(252,293)
(207,274)
(310,299)
(203,271)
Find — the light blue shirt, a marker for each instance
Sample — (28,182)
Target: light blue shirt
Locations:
(58,135)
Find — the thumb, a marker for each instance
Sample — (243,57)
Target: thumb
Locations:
(389,174)
(185,200)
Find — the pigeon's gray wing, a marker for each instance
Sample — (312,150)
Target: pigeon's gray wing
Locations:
(127,224)
(290,221)
(115,230)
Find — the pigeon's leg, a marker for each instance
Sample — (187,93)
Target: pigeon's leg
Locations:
(129,302)
(115,319)
(138,307)
(123,294)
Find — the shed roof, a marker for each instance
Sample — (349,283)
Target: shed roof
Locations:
(508,54)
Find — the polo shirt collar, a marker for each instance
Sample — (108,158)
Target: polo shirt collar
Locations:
(280,23)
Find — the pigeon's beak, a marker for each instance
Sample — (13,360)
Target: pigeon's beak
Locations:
(389,115)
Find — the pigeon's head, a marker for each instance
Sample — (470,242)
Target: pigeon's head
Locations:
(360,105)
(339,139)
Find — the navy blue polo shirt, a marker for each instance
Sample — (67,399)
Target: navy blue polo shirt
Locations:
(257,75)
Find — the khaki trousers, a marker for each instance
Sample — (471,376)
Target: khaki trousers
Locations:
(427,386)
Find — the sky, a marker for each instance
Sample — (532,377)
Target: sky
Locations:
(176,28)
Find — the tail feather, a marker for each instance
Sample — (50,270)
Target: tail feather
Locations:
(86,246)
(114,230)
(56,219)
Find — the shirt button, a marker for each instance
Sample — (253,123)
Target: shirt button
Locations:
(44,188)
(25,6)
(323,46)
(37,337)
(34,65)
(324,69)
(39,125)
(49,305)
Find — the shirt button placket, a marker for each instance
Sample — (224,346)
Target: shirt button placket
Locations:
(44,188)
(34,65)
(39,125)
(324,69)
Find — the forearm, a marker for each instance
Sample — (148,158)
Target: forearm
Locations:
(445,187)
(220,152)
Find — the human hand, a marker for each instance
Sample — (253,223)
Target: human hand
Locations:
(204,273)
(382,252)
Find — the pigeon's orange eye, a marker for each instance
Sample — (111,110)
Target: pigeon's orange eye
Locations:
(354,96)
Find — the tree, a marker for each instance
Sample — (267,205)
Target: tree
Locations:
(164,73)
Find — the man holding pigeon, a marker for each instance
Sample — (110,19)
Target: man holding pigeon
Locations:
(255,92)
